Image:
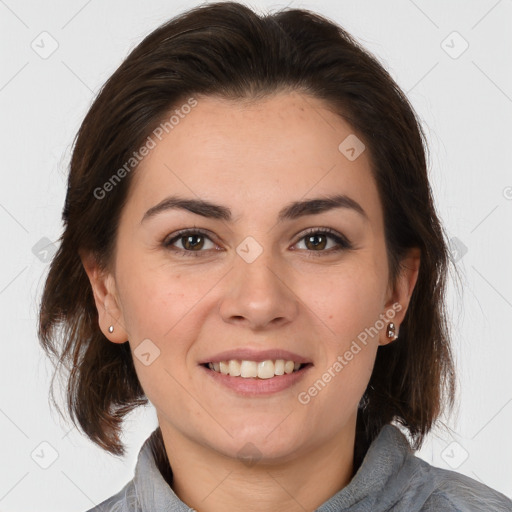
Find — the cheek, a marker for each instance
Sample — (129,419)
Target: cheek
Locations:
(347,302)
(347,369)
(155,301)
(349,305)
(158,305)
(331,398)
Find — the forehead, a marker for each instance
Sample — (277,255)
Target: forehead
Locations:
(245,154)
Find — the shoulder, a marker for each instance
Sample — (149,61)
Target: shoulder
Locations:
(124,501)
(409,483)
(452,491)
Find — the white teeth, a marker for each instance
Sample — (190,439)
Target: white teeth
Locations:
(251,369)
(234,368)
(289,366)
(266,369)
(279,367)
(248,369)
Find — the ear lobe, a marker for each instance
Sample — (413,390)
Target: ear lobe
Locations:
(103,287)
(402,292)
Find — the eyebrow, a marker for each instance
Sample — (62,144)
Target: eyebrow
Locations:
(291,211)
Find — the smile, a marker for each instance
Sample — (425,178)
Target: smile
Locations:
(256,378)
(253,369)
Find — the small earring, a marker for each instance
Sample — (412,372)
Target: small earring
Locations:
(111,329)
(391,331)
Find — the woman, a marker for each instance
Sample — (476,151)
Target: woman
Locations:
(251,244)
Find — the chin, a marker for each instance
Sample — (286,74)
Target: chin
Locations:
(260,443)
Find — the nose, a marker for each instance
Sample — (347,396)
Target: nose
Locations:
(258,295)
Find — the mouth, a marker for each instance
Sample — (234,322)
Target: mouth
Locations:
(262,370)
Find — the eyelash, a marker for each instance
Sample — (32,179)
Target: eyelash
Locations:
(343,243)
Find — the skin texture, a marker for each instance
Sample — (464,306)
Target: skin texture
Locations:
(253,158)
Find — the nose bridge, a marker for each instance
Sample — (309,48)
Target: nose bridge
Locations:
(257,290)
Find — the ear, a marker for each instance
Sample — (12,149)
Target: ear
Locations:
(106,299)
(400,295)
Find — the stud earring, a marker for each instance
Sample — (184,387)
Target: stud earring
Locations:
(111,329)
(391,331)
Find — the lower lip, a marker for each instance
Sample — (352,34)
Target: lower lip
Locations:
(258,387)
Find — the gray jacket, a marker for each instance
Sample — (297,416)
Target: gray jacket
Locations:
(390,479)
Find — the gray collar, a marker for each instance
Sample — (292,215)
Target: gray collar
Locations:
(369,489)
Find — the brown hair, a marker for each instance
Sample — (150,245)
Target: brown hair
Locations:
(227,50)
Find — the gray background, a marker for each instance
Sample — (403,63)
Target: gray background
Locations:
(464,98)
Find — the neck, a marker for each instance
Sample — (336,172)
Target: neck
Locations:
(208,481)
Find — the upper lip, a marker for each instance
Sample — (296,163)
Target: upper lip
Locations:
(250,354)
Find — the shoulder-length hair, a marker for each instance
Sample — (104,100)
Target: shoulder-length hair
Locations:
(227,50)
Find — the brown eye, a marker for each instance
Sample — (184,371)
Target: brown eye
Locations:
(318,241)
(189,242)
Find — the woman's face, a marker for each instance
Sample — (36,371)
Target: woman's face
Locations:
(249,282)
